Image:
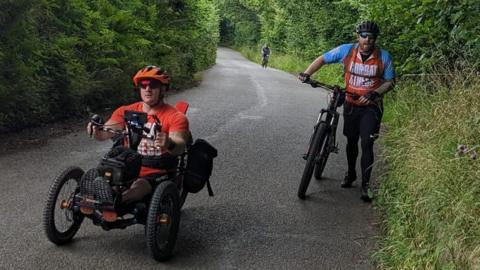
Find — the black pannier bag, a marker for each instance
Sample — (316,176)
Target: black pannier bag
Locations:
(120,166)
(199,166)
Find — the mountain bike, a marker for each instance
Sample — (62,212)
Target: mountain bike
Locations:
(322,142)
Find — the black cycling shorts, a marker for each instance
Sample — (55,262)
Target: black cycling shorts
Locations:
(152,179)
(361,121)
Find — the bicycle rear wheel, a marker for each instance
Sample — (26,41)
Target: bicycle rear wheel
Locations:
(264,62)
(322,158)
(317,141)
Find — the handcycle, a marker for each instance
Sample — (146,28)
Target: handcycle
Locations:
(323,140)
(67,204)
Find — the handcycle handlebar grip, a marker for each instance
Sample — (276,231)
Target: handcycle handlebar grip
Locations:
(97,120)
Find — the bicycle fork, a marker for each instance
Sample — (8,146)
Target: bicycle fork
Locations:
(333,145)
(332,120)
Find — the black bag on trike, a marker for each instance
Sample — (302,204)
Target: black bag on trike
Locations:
(120,166)
(199,166)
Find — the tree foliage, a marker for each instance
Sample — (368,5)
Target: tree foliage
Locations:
(239,26)
(58,57)
(421,35)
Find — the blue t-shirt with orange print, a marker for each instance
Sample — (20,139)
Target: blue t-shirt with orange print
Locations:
(338,54)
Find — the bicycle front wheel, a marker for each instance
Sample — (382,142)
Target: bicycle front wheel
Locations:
(317,141)
(322,158)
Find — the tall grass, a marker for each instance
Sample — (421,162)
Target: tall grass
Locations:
(431,198)
(428,197)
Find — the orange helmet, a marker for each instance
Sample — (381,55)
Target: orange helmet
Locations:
(152,72)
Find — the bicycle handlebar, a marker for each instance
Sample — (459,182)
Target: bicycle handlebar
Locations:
(98,122)
(123,132)
(331,88)
(316,84)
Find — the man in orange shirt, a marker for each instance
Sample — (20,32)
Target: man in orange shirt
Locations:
(153,82)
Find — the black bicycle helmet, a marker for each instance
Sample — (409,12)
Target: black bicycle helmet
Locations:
(368,26)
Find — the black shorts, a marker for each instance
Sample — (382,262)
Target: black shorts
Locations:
(152,179)
(361,121)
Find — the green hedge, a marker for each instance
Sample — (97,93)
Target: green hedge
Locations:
(59,58)
(422,36)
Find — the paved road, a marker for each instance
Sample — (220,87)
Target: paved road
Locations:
(260,121)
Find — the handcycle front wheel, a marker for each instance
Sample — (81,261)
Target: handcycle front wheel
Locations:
(318,139)
(60,221)
(163,220)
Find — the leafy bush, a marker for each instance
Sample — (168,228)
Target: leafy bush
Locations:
(420,35)
(60,57)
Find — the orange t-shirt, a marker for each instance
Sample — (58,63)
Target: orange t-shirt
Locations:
(171,120)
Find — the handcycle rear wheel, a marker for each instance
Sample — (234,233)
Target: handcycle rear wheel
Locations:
(163,220)
(322,158)
(318,140)
(60,222)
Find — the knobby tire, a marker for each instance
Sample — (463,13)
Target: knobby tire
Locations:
(317,141)
(161,238)
(322,158)
(53,233)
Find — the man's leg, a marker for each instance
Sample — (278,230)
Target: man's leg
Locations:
(351,131)
(139,189)
(369,128)
(367,158)
(352,153)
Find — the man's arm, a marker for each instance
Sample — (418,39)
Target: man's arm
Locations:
(385,87)
(388,75)
(376,95)
(174,143)
(315,65)
(100,135)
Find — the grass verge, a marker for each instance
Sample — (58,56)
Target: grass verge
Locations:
(431,198)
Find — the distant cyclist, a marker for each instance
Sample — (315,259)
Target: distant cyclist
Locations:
(265,54)
(369,74)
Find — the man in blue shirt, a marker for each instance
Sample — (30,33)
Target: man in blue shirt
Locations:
(369,74)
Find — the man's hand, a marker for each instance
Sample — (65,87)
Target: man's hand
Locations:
(100,135)
(369,98)
(303,77)
(162,141)
(95,121)
(173,142)
(91,129)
